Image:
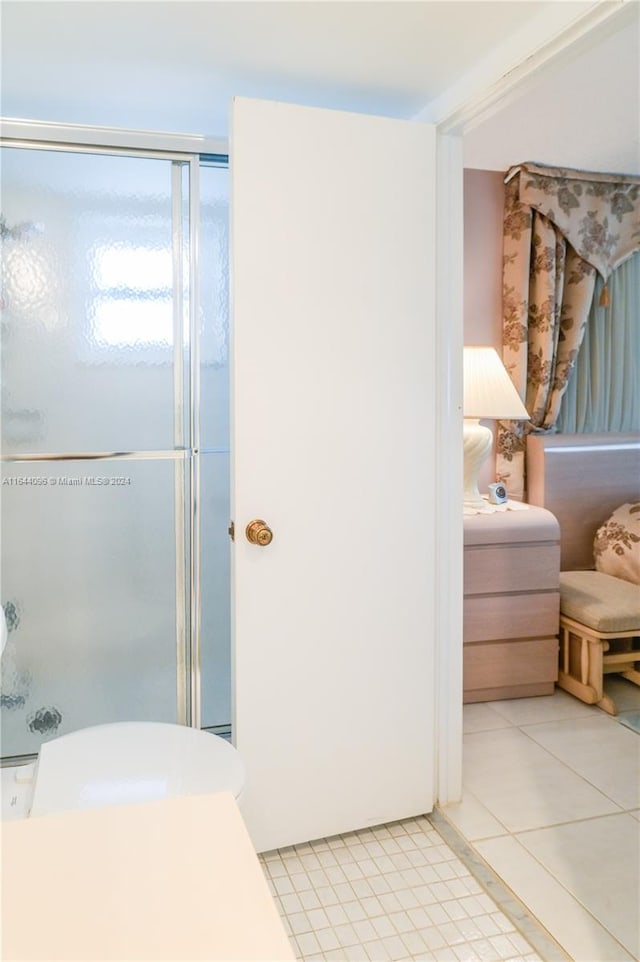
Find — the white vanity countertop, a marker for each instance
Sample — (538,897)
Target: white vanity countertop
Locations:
(176,879)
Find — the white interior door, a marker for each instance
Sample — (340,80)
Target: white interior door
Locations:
(333,393)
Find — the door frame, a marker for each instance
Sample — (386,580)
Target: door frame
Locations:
(501,84)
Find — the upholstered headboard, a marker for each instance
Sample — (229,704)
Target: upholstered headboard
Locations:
(581,479)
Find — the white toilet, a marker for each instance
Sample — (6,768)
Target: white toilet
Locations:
(129,762)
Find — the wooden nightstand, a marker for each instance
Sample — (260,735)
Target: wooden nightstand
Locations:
(511,604)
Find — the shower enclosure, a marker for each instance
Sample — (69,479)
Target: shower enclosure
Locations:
(115,465)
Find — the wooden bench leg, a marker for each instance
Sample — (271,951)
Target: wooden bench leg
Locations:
(633,675)
(576,688)
(596,664)
(580,687)
(586,681)
(585,657)
(597,649)
(607,704)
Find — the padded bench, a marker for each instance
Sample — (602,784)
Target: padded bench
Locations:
(599,634)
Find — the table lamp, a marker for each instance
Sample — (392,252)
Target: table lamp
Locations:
(488,393)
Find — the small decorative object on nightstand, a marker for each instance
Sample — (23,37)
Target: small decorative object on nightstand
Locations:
(511,604)
(498,493)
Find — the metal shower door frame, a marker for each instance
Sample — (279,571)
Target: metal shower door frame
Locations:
(186,448)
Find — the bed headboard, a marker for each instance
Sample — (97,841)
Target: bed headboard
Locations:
(581,479)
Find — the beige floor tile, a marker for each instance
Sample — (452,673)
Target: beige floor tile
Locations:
(598,861)
(582,936)
(482,716)
(473,819)
(523,786)
(600,750)
(525,711)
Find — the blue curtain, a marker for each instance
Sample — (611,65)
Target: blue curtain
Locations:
(603,393)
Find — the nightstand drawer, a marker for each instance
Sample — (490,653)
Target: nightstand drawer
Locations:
(501,568)
(493,617)
(498,664)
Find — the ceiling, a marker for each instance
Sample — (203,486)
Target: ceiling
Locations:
(175,66)
(584,114)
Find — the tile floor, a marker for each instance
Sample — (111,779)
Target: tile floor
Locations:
(394,892)
(550,814)
(544,851)
(552,803)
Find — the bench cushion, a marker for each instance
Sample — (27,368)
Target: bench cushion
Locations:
(600,601)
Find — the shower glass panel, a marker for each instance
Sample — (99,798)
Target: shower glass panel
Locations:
(89,586)
(97,572)
(88,291)
(214,441)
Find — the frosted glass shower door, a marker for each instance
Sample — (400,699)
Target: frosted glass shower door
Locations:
(96,441)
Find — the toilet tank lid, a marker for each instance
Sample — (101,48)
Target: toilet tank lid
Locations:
(125,762)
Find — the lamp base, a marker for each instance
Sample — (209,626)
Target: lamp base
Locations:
(478,441)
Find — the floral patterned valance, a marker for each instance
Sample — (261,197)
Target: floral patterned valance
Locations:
(599,214)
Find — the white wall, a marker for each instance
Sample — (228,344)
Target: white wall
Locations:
(585,114)
(483,209)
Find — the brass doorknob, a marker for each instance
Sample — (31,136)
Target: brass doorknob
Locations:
(258,532)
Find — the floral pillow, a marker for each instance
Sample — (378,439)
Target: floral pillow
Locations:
(616,547)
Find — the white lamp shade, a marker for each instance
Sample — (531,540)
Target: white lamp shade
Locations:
(488,390)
